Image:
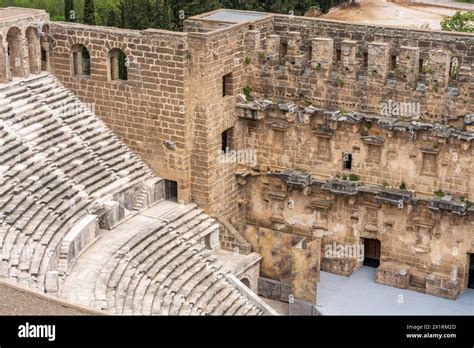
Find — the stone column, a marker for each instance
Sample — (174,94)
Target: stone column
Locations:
(294,41)
(252,42)
(409,60)
(273,47)
(3,62)
(436,70)
(377,71)
(349,62)
(322,55)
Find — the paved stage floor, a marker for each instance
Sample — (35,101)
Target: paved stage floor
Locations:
(359,294)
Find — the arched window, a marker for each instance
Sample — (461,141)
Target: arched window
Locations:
(118,65)
(14,42)
(81,61)
(453,68)
(34,50)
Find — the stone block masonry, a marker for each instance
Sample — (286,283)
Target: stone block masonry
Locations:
(327,84)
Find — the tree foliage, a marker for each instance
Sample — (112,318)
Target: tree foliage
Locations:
(161,14)
(461,21)
(69,12)
(89,12)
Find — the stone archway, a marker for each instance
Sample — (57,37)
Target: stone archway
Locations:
(34,50)
(45,52)
(15,52)
(3,65)
(246,282)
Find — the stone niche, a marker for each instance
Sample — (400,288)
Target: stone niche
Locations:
(423,227)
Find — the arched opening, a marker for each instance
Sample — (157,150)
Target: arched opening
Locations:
(34,50)
(118,65)
(14,50)
(453,69)
(246,282)
(44,38)
(3,68)
(81,61)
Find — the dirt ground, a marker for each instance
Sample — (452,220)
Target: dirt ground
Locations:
(18,301)
(388,13)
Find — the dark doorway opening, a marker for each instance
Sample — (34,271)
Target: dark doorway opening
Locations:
(246,282)
(372,253)
(44,60)
(226,140)
(347,159)
(171,190)
(470,274)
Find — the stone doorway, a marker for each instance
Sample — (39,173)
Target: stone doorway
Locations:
(171,190)
(372,249)
(470,273)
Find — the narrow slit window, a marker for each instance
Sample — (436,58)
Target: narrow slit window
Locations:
(227,86)
(365,59)
(338,55)
(453,69)
(394,62)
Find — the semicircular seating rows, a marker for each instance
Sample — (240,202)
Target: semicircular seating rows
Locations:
(163,268)
(57,161)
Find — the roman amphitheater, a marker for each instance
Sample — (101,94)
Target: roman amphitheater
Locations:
(230,166)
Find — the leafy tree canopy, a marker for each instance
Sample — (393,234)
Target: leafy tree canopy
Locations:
(161,14)
(461,21)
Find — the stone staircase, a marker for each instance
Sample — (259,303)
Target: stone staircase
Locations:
(54,167)
(160,268)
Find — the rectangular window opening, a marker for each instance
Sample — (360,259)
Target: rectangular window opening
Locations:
(393,62)
(226,140)
(338,55)
(227,87)
(347,159)
(365,59)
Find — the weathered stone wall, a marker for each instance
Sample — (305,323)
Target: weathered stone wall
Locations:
(356,67)
(423,242)
(346,67)
(216,53)
(425,160)
(20,31)
(148,110)
(176,104)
